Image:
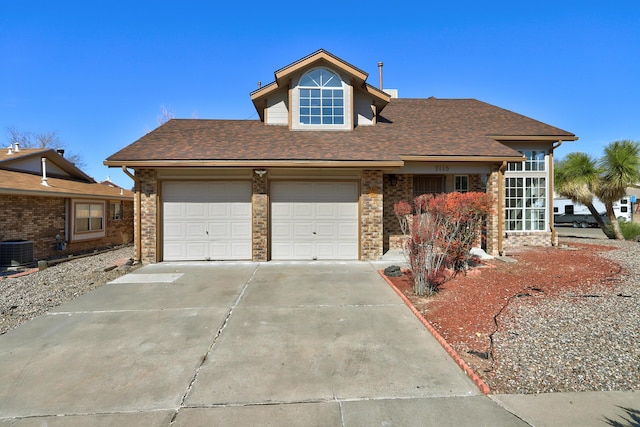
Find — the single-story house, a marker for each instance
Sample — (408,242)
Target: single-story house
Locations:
(45,199)
(317,175)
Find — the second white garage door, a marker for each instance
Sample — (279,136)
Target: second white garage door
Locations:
(314,220)
(206,220)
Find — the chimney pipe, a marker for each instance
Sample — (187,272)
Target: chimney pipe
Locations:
(60,151)
(259,84)
(16,148)
(10,149)
(44,172)
(380,64)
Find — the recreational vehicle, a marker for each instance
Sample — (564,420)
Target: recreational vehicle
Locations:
(565,211)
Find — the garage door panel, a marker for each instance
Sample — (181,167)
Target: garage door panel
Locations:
(348,230)
(347,210)
(174,230)
(239,250)
(196,250)
(326,230)
(314,220)
(281,230)
(219,210)
(240,210)
(345,250)
(302,211)
(196,230)
(239,230)
(195,211)
(173,250)
(302,230)
(279,210)
(174,211)
(206,220)
(219,251)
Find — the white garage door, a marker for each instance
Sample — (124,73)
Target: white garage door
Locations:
(314,220)
(207,220)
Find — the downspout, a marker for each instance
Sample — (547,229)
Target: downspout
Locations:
(138,235)
(501,170)
(554,233)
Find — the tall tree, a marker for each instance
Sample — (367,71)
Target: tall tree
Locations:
(620,169)
(581,178)
(576,177)
(42,140)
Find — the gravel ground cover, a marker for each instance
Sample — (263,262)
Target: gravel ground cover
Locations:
(576,341)
(24,297)
(557,320)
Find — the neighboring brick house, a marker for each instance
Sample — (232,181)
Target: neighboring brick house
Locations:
(46,199)
(316,177)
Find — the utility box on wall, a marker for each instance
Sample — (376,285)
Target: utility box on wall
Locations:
(15,253)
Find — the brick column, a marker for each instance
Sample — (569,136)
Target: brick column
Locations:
(260,215)
(371,215)
(493,188)
(148,215)
(402,190)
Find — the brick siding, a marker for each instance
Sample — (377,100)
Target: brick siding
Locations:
(493,188)
(402,190)
(148,188)
(532,238)
(260,213)
(371,215)
(41,219)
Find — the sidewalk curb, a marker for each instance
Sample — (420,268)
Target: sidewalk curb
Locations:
(482,386)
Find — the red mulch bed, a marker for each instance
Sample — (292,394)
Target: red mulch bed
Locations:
(463,310)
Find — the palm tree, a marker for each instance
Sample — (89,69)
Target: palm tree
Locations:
(577,177)
(620,167)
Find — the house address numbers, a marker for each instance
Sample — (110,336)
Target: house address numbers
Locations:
(442,168)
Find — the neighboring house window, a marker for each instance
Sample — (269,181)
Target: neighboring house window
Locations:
(461,183)
(89,217)
(526,193)
(115,211)
(321,98)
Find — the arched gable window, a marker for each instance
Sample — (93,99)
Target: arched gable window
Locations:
(321,98)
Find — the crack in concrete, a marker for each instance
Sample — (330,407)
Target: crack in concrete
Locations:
(213,343)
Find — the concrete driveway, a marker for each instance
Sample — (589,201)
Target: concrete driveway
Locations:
(212,344)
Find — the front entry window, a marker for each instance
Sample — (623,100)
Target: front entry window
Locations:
(427,184)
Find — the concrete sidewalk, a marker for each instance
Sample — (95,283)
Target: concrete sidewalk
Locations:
(256,344)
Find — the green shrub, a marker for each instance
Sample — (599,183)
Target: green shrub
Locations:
(630,230)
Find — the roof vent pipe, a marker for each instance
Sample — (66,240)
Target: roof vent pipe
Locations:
(259,84)
(380,64)
(10,149)
(16,148)
(44,172)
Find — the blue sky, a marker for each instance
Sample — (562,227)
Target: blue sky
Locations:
(97,73)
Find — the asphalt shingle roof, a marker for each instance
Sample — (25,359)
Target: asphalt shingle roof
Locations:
(12,182)
(407,127)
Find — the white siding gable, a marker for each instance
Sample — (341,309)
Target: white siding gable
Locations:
(277,110)
(363,112)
